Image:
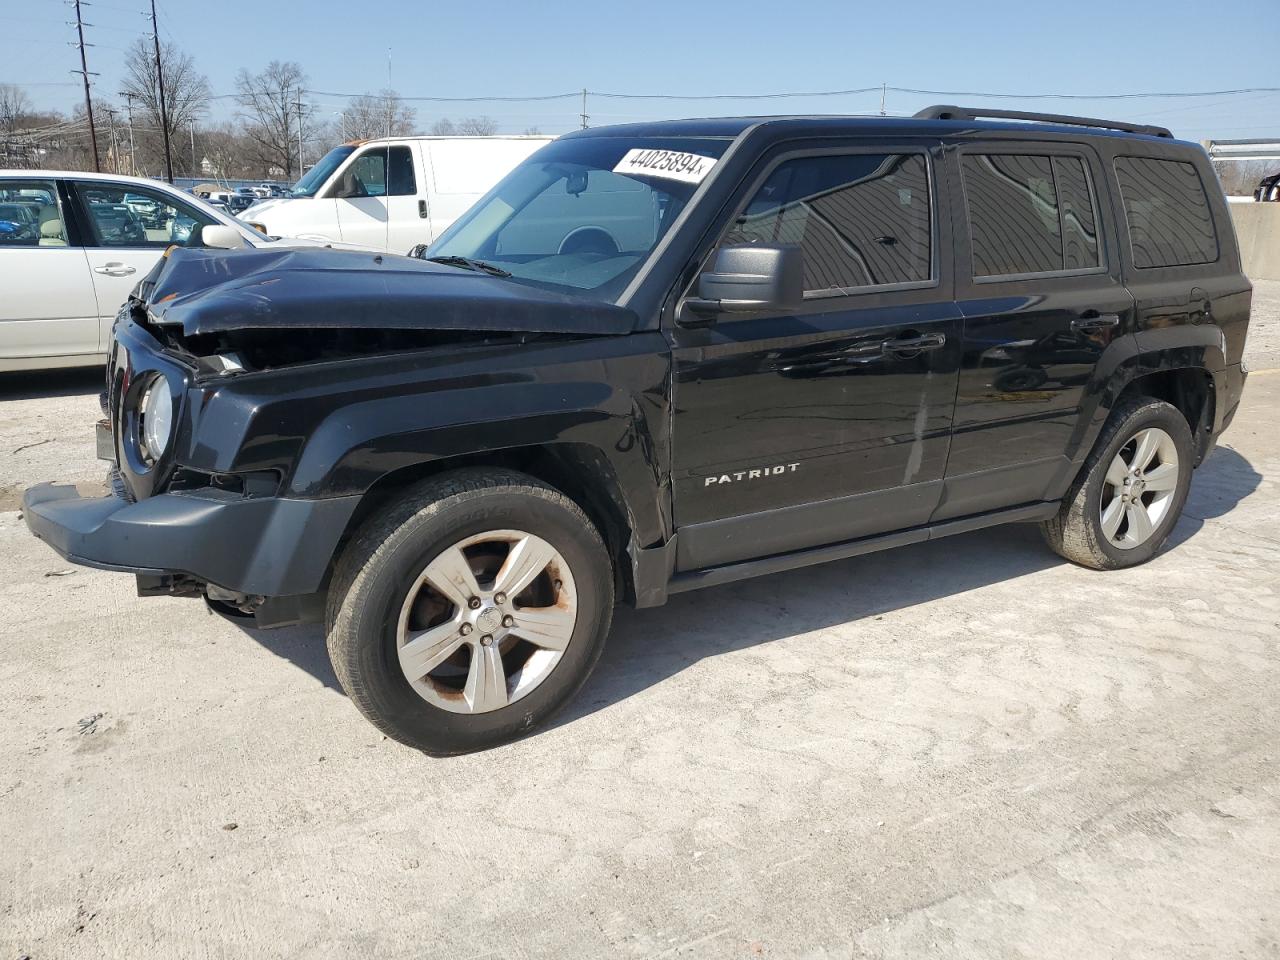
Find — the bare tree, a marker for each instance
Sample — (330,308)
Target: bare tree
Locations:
(477,127)
(186,98)
(382,115)
(273,111)
(15,107)
(466,127)
(532,132)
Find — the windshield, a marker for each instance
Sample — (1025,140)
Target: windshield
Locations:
(314,178)
(582,215)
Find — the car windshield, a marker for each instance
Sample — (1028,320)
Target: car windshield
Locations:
(583,214)
(314,178)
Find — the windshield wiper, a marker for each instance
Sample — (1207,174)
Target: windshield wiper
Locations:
(467,263)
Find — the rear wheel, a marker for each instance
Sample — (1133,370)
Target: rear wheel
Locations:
(470,612)
(1131,490)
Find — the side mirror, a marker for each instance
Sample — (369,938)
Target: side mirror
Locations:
(747,278)
(222,237)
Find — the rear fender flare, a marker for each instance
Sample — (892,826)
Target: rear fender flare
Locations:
(1129,358)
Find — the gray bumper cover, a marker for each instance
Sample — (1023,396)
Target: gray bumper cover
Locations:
(270,546)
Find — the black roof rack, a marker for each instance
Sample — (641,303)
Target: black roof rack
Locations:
(948,112)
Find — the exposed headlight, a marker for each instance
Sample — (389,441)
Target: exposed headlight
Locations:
(155,419)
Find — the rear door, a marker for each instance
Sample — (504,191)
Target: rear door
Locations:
(48,308)
(1038,280)
(128,228)
(1182,266)
(830,422)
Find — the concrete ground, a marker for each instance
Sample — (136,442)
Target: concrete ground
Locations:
(960,749)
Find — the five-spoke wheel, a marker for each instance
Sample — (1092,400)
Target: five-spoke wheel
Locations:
(469,610)
(487,621)
(1139,488)
(1130,491)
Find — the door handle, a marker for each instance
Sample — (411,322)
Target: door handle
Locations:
(928,341)
(115,269)
(422,209)
(1092,324)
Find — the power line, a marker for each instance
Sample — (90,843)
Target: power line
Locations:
(879,88)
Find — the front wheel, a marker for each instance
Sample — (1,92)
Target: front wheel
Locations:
(471,611)
(1131,490)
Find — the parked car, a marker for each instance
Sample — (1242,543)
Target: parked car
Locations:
(238,202)
(72,247)
(392,194)
(665,356)
(146,209)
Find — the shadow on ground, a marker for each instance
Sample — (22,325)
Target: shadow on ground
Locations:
(648,646)
(43,384)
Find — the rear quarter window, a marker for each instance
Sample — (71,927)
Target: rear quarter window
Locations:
(1167,210)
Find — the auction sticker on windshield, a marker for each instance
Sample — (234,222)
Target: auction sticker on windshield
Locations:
(668,164)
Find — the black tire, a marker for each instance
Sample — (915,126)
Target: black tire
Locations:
(380,565)
(1076,532)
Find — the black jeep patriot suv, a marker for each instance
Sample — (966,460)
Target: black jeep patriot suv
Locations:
(665,356)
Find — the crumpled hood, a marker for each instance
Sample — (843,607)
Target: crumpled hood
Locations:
(216,291)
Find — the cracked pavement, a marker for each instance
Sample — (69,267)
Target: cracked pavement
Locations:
(966,748)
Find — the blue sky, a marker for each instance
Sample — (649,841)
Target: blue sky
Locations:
(696,47)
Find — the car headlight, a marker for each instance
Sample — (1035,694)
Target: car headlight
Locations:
(155,419)
(260,227)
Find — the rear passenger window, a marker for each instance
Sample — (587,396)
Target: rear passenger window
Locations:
(862,220)
(1029,214)
(30,214)
(1170,223)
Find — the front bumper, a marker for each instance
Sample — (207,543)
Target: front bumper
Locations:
(269,546)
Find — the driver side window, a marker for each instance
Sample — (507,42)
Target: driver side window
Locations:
(380,172)
(862,220)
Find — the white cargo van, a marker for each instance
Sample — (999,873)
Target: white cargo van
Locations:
(393,193)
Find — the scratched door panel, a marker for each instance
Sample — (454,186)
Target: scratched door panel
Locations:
(780,411)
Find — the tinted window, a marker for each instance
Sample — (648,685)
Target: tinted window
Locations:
(137,217)
(400,179)
(1013,214)
(1079,222)
(861,220)
(30,215)
(1168,213)
(1029,214)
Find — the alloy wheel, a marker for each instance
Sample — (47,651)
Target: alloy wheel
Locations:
(1139,488)
(486,621)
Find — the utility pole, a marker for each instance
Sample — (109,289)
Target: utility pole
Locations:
(133,156)
(298,103)
(195,165)
(115,153)
(584,108)
(884,87)
(84,74)
(164,109)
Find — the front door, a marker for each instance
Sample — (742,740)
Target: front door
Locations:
(832,422)
(1039,283)
(378,202)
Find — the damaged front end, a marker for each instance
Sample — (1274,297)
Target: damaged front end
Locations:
(236,377)
(258,309)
